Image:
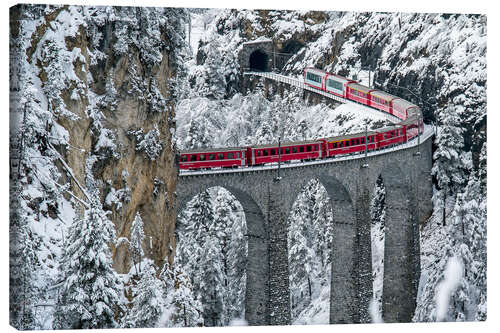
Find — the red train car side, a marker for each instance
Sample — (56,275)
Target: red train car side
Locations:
(213,158)
(304,150)
(350,144)
(390,136)
(358,93)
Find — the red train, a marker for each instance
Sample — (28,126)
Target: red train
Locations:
(410,126)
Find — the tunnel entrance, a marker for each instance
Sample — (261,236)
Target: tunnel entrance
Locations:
(258,61)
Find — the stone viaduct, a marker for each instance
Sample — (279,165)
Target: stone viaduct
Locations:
(349,183)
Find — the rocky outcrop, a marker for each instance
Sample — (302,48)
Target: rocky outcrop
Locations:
(114,95)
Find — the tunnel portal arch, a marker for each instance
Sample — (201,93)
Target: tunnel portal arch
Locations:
(259,61)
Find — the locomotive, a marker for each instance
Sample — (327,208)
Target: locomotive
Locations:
(410,126)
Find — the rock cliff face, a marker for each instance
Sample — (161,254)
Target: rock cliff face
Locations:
(104,77)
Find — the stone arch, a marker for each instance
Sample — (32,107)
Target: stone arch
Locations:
(344,289)
(258,61)
(399,287)
(318,240)
(257,267)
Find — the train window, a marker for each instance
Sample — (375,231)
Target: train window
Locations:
(334,145)
(184,158)
(335,84)
(220,156)
(230,156)
(202,157)
(308,148)
(273,152)
(211,157)
(301,149)
(294,149)
(265,152)
(287,150)
(237,155)
(315,148)
(362,140)
(258,153)
(346,143)
(192,158)
(313,77)
(281,151)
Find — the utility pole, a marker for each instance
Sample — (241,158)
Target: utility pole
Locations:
(279,159)
(274,58)
(366,148)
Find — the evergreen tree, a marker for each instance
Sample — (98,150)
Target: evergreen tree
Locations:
(183,309)
(197,135)
(449,161)
(148,300)
(89,296)
(136,238)
(23,267)
(211,286)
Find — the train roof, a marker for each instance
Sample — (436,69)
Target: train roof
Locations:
(359,87)
(211,150)
(338,77)
(388,128)
(349,136)
(286,144)
(315,70)
(403,103)
(383,95)
(410,120)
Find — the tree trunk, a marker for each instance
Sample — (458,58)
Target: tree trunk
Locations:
(309,284)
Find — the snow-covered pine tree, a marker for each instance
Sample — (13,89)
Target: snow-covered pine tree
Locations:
(322,224)
(377,213)
(197,135)
(136,238)
(212,82)
(89,296)
(229,229)
(426,310)
(23,266)
(469,235)
(301,257)
(211,287)
(148,300)
(449,166)
(182,309)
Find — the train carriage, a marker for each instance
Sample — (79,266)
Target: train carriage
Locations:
(359,93)
(382,100)
(350,144)
(302,150)
(401,108)
(213,158)
(315,78)
(336,84)
(414,125)
(411,125)
(391,135)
